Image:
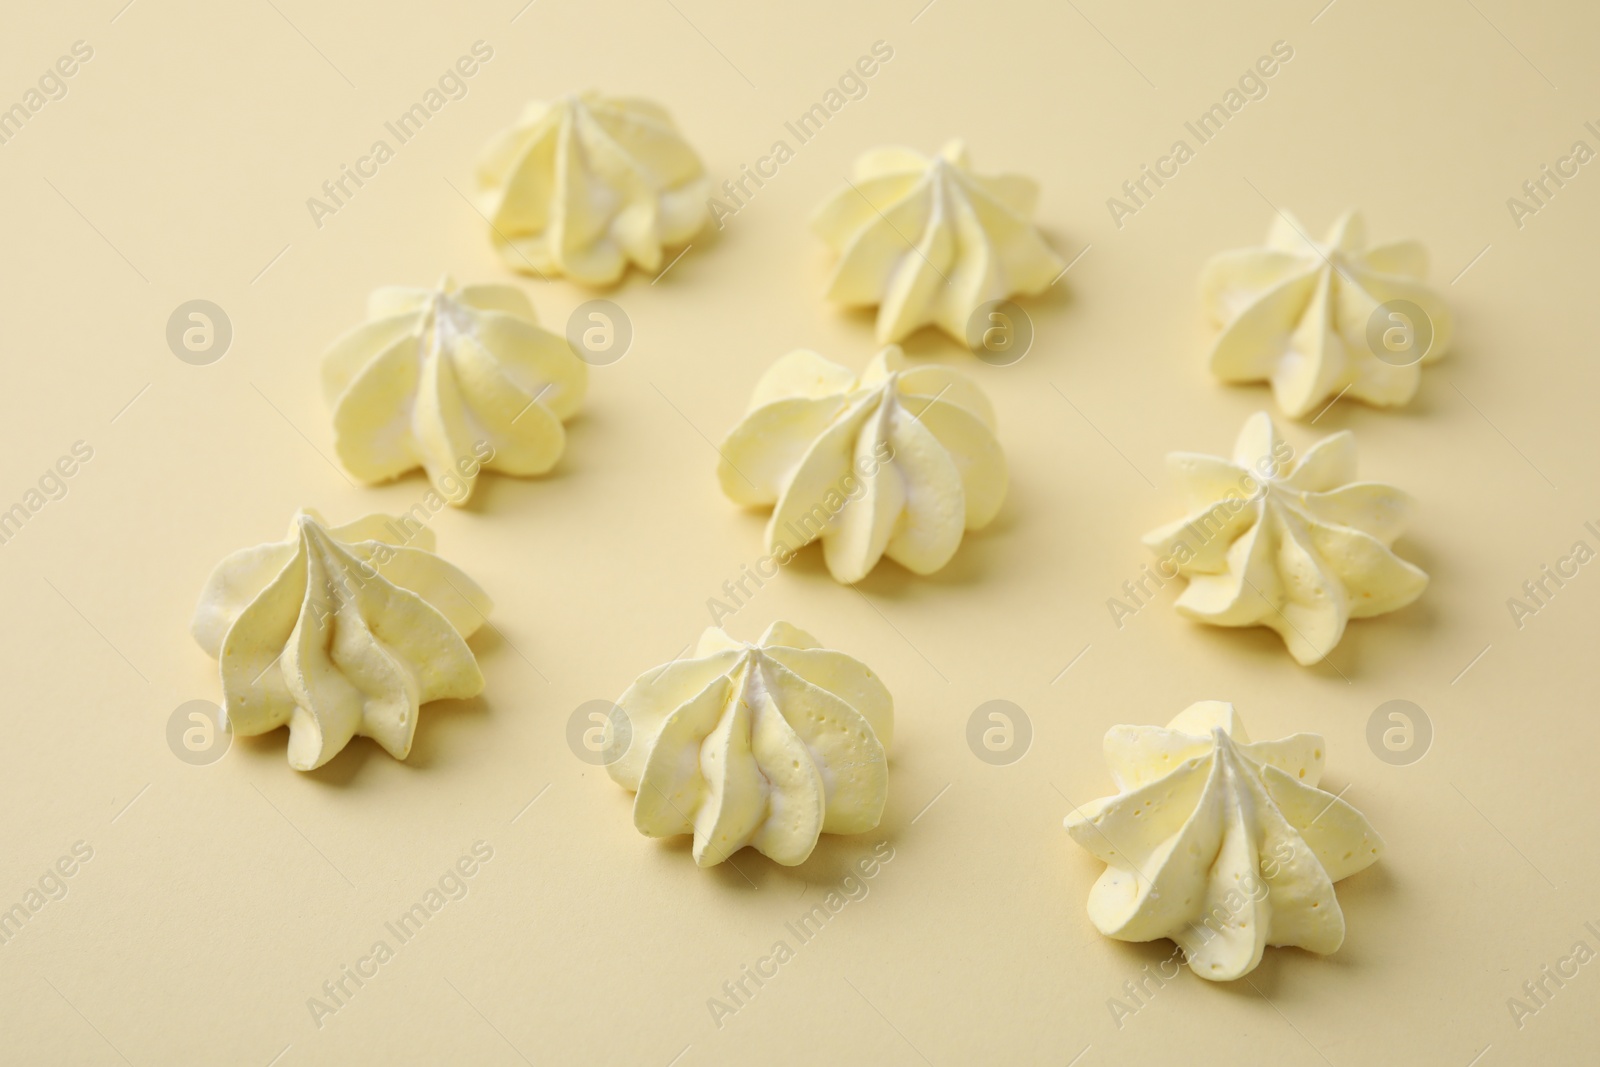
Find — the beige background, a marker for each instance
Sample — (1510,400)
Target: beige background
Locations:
(220,898)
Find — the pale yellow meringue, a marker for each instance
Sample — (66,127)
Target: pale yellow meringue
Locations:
(1223,845)
(1298,313)
(340,631)
(929,240)
(586,184)
(768,745)
(899,462)
(452,380)
(1293,544)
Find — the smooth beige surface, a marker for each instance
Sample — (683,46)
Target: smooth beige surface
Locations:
(219,899)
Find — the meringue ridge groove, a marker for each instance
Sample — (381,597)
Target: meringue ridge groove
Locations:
(585,185)
(338,632)
(1292,543)
(928,240)
(1315,318)
(767,744)
(454,380)
(898,461)
(1223,845)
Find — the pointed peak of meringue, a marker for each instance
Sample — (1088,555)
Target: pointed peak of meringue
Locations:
(895,462)
(1239,829)
(1318,320)
(586,185)
(1303,557)
(452,380)
(769,758)
(294,626)
(905,236)
(1207,717)
(882,367)
(954,152)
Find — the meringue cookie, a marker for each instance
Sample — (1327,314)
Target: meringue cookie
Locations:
(767,745)
(897,462)
(585,184)
(339,631)
(451,380)
(930,240)
(1223,845)
(1294,544)
(1297,313)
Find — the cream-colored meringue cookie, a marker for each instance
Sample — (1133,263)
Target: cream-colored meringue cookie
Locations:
(930,240)
(898,462)
(767,745)
(451,380)
(340,631)
(1297,313)
(585,184)
(1223,845)
(1294,544)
